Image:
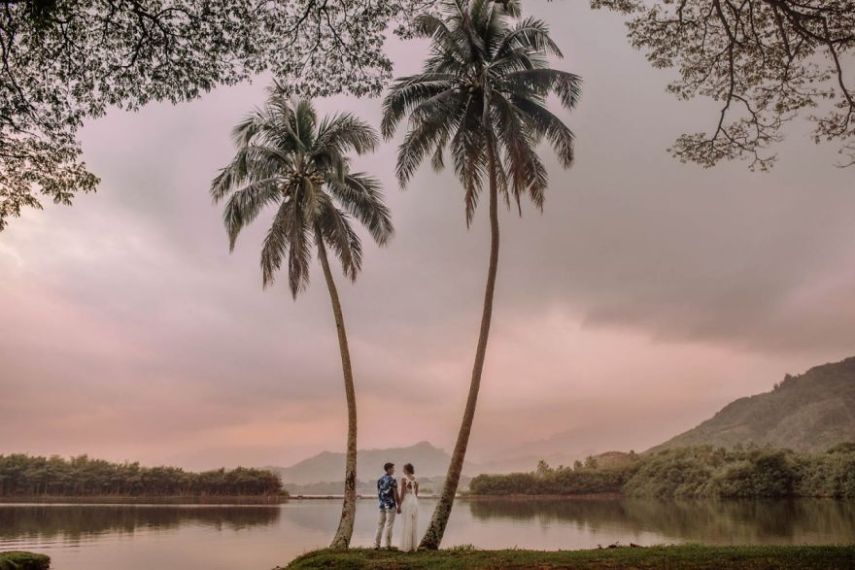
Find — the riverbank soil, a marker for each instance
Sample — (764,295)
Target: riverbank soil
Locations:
(687,557)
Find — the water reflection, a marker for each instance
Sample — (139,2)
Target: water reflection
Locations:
(799,521)
(138,537)
(75,522)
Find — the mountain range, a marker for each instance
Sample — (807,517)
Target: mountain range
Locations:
(809,412)
(429,461)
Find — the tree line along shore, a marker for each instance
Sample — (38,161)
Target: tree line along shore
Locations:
(703,471)
(32,477)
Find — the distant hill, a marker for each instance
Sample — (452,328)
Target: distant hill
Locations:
(427,486)
(562,448)
(428,460)
(810,412)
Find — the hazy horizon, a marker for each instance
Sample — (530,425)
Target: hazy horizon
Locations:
(646,296)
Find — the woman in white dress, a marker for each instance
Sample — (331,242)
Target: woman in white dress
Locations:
(409,509)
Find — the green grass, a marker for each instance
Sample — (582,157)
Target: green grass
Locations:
(23,561)
(687,557)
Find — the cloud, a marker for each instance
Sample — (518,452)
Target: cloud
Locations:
(646,295)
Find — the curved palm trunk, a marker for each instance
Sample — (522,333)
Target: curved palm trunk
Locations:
(433,536)
(348,509)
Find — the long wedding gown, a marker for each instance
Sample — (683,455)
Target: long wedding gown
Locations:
(410,514)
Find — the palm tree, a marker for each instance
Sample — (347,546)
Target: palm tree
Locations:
(482,94)
(288,160)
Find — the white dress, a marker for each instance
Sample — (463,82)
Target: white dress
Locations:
(409,514)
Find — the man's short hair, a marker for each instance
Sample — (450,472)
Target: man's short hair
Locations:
(388,466)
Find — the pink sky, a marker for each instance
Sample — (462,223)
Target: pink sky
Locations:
(647,295)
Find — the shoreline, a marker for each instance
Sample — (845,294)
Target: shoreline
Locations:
(252,501)
(466,497)
(552,497)
(275,501)
(133,500)
(685,557)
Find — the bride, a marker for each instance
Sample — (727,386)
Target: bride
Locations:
(409,509)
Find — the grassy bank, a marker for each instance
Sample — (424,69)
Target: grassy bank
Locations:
(674,557)
(23,561)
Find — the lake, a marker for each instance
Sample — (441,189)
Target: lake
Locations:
(138,537)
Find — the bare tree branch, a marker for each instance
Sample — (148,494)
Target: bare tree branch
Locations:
(779,59)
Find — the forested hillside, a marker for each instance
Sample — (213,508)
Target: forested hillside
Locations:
(810,412)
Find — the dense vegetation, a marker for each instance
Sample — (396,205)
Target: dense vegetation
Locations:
(685,557)
(809,412)
(23,561)
(28,476)
(691,472)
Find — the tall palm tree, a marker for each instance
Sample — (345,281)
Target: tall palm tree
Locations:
(482,94)
(298,166)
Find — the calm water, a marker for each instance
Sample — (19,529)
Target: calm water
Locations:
(81,537)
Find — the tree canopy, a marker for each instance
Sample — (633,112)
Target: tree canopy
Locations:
(289,158)
(483,93)
(64,61)
(764,61)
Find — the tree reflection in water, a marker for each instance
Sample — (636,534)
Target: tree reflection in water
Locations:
(798,521)
(75,523)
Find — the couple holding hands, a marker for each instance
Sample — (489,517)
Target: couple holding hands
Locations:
(401,500)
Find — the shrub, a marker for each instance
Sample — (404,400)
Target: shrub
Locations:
(23,561)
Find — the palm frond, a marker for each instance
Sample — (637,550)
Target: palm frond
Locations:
(276,243)
(407,93)
(544,122)
(430,26)
(524,167)
(251,162)
(487,80)
(299,248)
(360,195)
(532,34)
(344,133)
(420,140)
(244,205)
(470,159)
(285,157)
(334,228)
(247,129)
(568,86)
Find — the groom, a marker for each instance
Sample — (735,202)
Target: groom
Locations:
(390,504)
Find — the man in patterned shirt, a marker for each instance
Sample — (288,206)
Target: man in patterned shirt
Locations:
(390,504)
